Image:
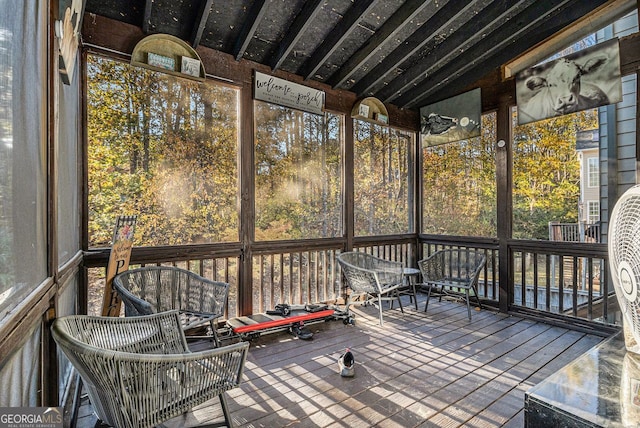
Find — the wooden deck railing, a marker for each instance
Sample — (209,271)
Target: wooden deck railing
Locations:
(563,280)
(566,281)
(488,280)
(306,272)
(295,274)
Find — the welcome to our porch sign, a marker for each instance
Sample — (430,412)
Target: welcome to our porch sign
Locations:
(289,94)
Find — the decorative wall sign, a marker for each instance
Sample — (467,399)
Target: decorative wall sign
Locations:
(161,61)
(289,94)
(382,118)
(190,66)
(118,262)
(67,29)
(168,54)
(582,80)
(453,119)
(363,110)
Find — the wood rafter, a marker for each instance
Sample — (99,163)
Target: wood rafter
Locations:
(487,21)
(146,20)
(496,49)
(389,29)
(201,22)
(302,21)
(335,38)
(258,8)
(411,46)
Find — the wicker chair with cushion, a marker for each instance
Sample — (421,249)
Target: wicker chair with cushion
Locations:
(151,289)
(376,278)
(139,372)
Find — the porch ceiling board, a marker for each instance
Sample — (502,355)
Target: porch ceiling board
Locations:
(432,31)
(494,50)
(407,53)
(406,13)
(488,20)
(338,35)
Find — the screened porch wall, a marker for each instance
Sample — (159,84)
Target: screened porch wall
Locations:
(59,284)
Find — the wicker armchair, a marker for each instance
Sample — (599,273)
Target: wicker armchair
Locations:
(153,289)
(377,278)
(452,272)
(139,372)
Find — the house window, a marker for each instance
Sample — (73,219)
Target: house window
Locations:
(593,211)
(298,173)
(593,172)
(381,179)
(165,149)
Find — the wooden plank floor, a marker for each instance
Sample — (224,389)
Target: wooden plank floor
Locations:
(419,370)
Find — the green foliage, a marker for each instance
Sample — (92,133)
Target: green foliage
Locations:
(460,188)
(161,148)
(459,185)
(546,173)
(165,149)
(381,180)
(298,174)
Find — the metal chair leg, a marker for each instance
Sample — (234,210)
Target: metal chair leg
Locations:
(225,410)
(468,304)
(426,304)
(397,293)
(475,290)
(216,341)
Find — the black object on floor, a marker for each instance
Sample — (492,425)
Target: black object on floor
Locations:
(301,332)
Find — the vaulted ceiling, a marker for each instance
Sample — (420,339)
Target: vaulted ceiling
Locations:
(407,53)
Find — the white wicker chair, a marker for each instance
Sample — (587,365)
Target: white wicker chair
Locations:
(139,372)
(151,289)
(377,278)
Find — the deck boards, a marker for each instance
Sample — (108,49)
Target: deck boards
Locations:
(418,370)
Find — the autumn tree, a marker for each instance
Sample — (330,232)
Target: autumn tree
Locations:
(546,173)
(459,187)
(298,174)
(381,180)
(163,148)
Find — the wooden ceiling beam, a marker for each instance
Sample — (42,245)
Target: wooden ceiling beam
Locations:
(258,8)
(389,29)
(493,51)
(300,24)
(335,38)
(146,17)
(412,45)
(461,41)
(201,22)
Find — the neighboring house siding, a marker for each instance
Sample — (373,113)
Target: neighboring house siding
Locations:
(625,115)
